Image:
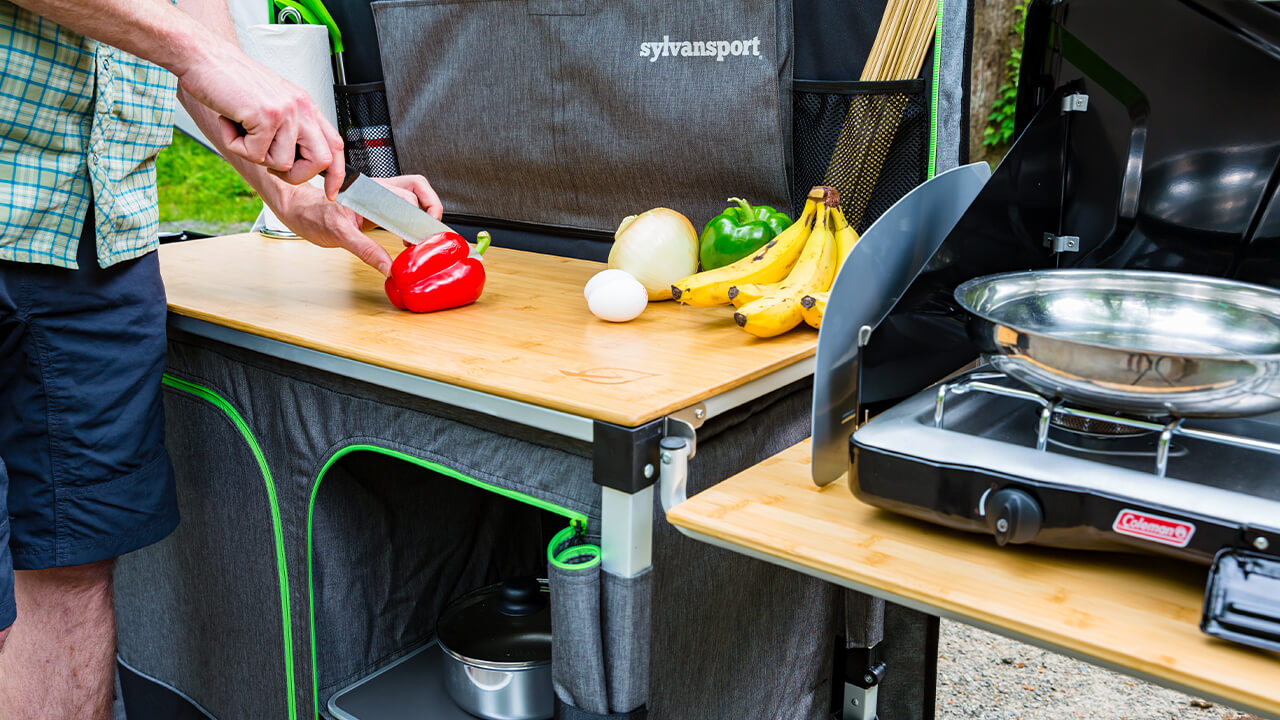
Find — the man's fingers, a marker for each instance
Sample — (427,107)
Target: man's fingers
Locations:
(363,247)
(312,157)
(427,197)
(283,153)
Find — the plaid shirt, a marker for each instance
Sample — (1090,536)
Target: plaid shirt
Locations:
(80,122)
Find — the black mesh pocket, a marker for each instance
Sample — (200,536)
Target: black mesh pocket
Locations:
(869,140)
(365,125)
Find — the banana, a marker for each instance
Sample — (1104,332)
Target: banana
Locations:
(846,236)
(780,310)
(740,295)
(812,307)
(768,265)
(769,316)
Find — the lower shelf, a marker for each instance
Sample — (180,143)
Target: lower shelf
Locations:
(411,688)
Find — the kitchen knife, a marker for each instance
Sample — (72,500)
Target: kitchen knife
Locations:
(379,205)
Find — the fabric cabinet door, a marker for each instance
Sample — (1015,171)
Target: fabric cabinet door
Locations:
(576,113)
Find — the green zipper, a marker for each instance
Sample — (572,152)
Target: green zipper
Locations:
(276,527)
(933,101)
(577,522)
(577,557)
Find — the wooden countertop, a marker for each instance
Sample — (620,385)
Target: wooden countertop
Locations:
(1139,613)
(530,336)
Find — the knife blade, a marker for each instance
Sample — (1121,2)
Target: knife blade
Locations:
(376,203)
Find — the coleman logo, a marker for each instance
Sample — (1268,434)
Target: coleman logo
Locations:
(718,49)
(1153,527)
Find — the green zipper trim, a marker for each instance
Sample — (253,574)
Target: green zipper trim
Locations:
(562,559)
(933,102)
(277,530)
(577,521)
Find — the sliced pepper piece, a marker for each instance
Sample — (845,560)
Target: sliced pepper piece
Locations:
(737,232)
(438,273)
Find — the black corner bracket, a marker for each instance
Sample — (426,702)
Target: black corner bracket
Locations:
(620,455)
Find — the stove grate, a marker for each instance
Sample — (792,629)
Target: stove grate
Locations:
(1054,410)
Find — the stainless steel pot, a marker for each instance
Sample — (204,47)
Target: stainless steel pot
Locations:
(497,651)
(1147,343)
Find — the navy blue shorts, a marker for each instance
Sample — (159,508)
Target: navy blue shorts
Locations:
(84,475)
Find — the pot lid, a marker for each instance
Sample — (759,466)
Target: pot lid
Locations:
(507,625)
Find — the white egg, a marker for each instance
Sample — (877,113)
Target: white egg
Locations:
(603,277)
(621,300)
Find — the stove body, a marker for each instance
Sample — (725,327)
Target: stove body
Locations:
(1148,139)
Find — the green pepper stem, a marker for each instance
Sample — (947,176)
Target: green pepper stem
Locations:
(482,241)
(746,213)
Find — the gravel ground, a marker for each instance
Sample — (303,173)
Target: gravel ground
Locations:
(981,675)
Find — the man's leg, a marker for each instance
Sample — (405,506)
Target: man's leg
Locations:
(58,661)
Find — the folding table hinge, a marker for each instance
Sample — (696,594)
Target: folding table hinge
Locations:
(1076,102)
(1062,243)
(679,443)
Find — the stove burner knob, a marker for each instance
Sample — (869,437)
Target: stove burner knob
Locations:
(1013,516)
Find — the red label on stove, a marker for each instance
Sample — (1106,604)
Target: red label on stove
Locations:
(1154,527)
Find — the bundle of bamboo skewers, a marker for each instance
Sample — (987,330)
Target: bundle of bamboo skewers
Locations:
(905,35)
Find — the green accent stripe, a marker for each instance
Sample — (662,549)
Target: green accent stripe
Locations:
(933,102)
(277,530)
(576,519)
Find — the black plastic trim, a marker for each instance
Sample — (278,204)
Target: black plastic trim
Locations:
(619,455)
(563,231)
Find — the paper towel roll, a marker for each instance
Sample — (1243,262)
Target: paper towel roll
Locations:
(300,54)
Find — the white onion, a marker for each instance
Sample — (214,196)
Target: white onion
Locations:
(658,248)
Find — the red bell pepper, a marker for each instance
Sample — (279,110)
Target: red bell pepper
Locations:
(438,273)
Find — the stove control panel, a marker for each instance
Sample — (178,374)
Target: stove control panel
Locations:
(1013,516)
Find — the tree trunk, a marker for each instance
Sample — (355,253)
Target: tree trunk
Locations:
(993,39)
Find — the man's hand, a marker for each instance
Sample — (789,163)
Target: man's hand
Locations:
(327,224)
(265,119)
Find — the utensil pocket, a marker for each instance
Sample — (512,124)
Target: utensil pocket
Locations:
(577,113)
(365,125)
(869,140)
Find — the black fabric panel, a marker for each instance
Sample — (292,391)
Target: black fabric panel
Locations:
(399,542)
(833,37)
(533,239)
(145,699)
(360,53)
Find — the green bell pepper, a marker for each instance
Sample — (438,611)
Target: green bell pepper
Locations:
(737,232)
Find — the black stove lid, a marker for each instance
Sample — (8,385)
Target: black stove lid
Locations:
(1174,163)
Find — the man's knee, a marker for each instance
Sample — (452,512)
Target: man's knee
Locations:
(4,634)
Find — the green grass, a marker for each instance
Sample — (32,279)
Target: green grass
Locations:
(200,191)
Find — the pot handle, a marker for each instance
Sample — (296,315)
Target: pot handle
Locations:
(520,596)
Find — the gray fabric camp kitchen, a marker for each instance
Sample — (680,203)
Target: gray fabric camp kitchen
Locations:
(558,126)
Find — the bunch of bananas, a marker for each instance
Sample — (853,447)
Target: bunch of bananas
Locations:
(787,281)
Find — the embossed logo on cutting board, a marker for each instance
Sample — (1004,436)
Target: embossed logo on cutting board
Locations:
(608,375)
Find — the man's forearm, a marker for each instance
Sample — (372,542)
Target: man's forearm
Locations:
(154,30)
(213,16)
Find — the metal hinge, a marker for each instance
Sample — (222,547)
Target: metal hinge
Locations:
(1062,243)
(1077,102)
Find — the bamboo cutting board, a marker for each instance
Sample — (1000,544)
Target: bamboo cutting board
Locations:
(530,336)
(1139,613)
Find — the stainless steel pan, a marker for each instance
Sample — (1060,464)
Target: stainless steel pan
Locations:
(1148,343)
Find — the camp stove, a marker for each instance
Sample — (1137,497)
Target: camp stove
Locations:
(981,452)
(1121,167)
